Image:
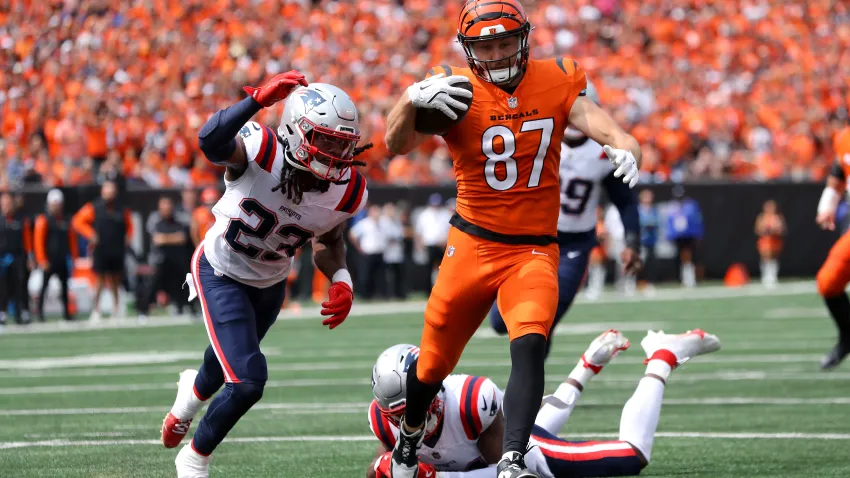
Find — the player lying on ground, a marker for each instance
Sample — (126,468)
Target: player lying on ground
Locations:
(502,246)
(585,172)
(465,423)
(283,189)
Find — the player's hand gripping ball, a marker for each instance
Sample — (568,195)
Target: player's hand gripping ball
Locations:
(441,102)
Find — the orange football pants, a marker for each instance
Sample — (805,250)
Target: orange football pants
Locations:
(475,272)
(834,274)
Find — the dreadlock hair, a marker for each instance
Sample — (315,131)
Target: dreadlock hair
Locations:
(295,182)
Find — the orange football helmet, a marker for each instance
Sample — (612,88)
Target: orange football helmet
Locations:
(482,20)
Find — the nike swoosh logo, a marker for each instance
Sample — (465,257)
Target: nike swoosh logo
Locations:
(534,252)
(573,254)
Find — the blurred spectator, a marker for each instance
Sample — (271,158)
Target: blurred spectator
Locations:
(679,75)
(685,229)
(649,224)
(170,255)
(15,247)
(769,228)
(202,217)
(432,232)
(108,228)
(393,231)
(370,241)
(30,257)
(55,245)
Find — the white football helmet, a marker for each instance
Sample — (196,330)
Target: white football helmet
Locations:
(389,385)
(321,127)
(571,133)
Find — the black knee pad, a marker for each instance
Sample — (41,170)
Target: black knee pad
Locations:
(247,393)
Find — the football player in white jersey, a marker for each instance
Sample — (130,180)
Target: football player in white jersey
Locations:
(465,423)
(283,189)
(585,170)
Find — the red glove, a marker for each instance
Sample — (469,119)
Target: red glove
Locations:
(340,298)
(383,468)
(277,88)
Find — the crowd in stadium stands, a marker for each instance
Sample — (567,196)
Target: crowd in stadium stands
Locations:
(747,89)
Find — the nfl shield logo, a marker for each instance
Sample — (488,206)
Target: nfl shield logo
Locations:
(513,102)
(451,251)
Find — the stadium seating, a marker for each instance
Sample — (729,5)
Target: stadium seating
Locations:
(748,89)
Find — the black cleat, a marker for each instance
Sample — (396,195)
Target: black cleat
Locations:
(405,460)
(513,466)
(834,357)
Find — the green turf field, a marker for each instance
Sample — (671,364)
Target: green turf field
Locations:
(759,407)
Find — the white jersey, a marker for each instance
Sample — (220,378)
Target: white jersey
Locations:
(582,170)
(257,230)
(470,405)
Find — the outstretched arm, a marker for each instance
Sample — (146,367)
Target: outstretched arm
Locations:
(218,138)
(597,125)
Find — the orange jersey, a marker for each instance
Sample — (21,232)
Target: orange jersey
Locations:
(507,150)
(204,219)
(841,146)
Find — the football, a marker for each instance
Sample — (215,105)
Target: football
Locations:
(433,121)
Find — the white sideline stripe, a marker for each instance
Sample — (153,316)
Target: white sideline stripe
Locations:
(368,438)
(672,294)
(630,379)
(347,365)
(361,407)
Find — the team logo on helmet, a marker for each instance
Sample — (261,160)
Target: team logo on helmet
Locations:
(311,99)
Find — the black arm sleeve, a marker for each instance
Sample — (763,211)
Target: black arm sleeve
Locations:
(627,204)
(837,171)
(217,139)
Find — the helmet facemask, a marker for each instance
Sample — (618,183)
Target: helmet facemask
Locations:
(485,69)
(433,418)
(326,153)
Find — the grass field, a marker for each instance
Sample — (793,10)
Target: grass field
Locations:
(90,403)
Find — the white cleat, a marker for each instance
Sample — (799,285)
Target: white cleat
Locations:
(176,424)
(683,346)
(603,349)
(190,464)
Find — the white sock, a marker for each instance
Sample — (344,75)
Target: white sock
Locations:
(556,409)
(689,275)
(187,404)
(773,270)
(596,278)
(641,413)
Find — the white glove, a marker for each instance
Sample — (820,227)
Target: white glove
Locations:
(626,164)
(436,93)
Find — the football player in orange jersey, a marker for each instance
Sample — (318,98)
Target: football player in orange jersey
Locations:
(202,217)
(502,245)
(834,274)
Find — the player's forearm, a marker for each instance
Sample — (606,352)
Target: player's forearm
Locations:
(622,140)
(400,136)
(329,253)
(217,138)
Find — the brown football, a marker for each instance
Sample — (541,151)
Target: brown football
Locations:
(433,121)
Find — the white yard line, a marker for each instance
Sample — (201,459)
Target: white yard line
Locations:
(361,407)
(98,371)
(368,438)
(389,308)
